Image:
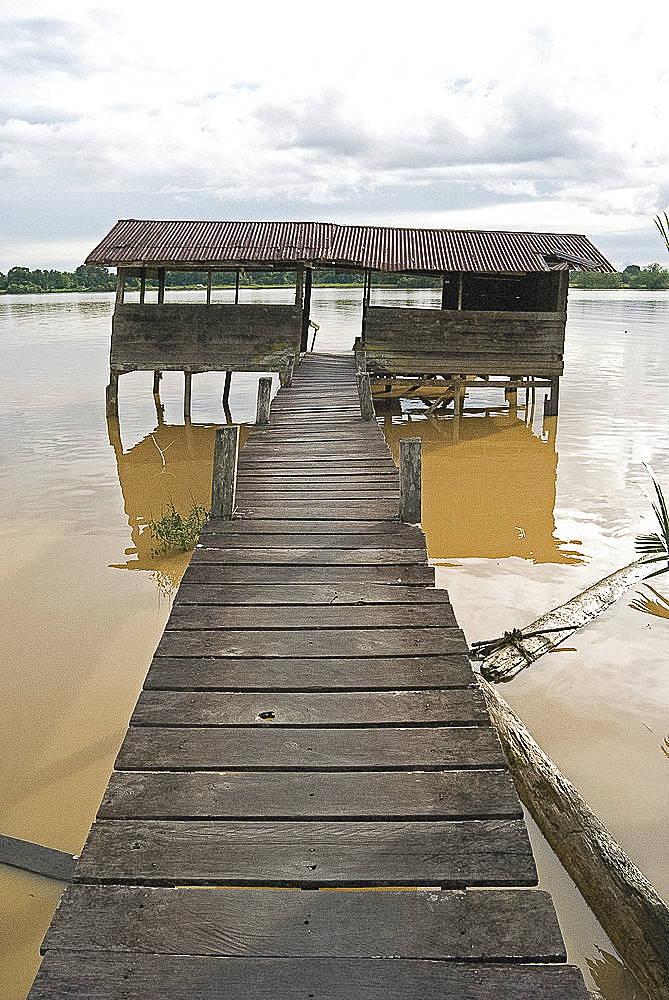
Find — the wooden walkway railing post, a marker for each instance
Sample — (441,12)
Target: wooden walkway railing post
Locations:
(365,395)
(264,400)
(224,478)
(410,480)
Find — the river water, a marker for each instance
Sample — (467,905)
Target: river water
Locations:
(520,515)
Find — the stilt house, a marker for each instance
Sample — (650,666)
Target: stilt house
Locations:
(503,298)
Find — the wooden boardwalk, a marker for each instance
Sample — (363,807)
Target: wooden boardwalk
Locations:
(309,722)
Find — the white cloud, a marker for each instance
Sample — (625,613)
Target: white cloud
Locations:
(514,115)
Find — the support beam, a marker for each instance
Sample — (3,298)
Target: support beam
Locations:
(304,342)
(224,479)
(286,376)
(120,287)
(161,285)
(226,388)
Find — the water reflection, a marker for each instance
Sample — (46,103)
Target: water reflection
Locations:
(170,466)
(488,484)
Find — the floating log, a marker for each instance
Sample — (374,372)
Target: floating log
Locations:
(630,911)
(503,658)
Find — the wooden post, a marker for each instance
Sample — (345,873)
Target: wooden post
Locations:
(298,285)
(551,400)
(157,375)
(360,355)
(209,287)
(120,287)
(236,288)
(111,407)
(304,342)
(226,388)
(365,396)
(224,479)
(188,378)
(264,399)
(161,285)
(142,287)
(627,906)
(410,480)
(286,376)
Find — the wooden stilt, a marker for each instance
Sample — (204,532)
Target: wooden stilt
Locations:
(226,389)
(188,377)
(286,376)
(551,401)
(157,375)
(112,394)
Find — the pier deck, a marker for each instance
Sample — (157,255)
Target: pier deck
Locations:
(309,722)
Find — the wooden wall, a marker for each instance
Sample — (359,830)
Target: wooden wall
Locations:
(201,337)
(477,342)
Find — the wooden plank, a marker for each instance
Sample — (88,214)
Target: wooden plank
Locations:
(320,510)
(497,925)
(330,527)
(248,554)
(451,707)
(209,591)
(351,795)
(211,616)
(308,674)
(312,642)
(136,976)
(455,854)
(251,749)
(412,575)
(36,858)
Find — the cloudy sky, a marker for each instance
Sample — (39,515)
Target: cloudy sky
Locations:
(509,115)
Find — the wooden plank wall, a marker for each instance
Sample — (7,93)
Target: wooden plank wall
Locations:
(198,337)
(437,341)
(309,723)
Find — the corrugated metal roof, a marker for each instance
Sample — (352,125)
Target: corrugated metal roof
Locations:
(137,243)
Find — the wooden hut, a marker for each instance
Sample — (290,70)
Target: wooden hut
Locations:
(502,316)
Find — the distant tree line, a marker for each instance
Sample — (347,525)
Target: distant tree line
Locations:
(653,277)
(23,281)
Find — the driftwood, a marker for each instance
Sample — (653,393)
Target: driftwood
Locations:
(503,658)
(630,911)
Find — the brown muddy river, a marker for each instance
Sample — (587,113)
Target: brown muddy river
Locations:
(520,515)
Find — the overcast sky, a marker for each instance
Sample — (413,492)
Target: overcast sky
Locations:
(510,115)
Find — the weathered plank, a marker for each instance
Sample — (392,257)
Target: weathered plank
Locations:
(454,706)
(160,748)
(207,590)
(135,976)
(520,925)
(312,642)
(406,574)
(320,510)
(330,527)
(455,854)
(206,616)
(310,795)
(36,858)
(248,555)
(307,674)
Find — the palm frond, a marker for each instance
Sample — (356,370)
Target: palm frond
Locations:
(663,226)
(654,547)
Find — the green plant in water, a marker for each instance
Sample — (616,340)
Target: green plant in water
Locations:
(176,533)
(654,547)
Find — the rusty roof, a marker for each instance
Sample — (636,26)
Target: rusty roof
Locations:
(177,244)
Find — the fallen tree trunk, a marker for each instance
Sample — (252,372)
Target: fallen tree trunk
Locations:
(503,658)
(630,911)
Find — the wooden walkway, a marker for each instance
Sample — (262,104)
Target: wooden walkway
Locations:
(309,722)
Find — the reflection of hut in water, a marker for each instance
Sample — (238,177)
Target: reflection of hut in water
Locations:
(502,316)
(487,493)
(171,466)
